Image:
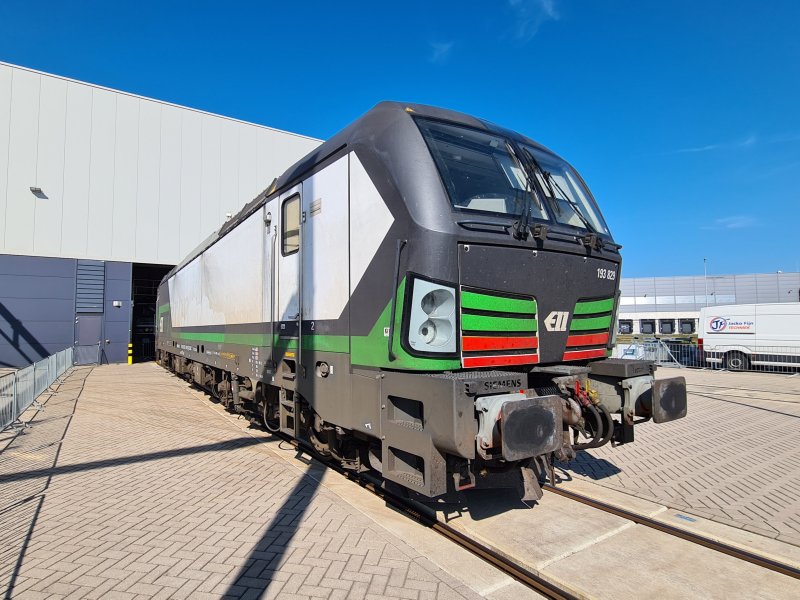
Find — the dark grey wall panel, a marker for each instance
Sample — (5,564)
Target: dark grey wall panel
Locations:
(116,320)
(44,332)
(30,286)
(37,307)
(34,265)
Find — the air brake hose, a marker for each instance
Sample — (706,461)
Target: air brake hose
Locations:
(598,430)
(609,425)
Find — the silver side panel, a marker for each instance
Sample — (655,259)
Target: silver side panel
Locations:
(325,242)
(225,285)
(370,220)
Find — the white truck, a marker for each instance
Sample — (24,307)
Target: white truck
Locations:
(744,336)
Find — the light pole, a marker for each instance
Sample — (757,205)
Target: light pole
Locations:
(705,278)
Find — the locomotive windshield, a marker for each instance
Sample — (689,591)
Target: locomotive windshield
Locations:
(481,173)
(569,199)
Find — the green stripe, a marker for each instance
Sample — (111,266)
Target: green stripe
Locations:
(373,350)
(497,303)
(323,343)
(246,339)
(163,309)
(591,323)
(484,323)
(594,306)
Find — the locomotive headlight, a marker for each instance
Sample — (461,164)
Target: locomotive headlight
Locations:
(436,332)
(440,302)
(432,318)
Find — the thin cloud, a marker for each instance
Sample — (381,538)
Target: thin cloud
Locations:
(732,222)
(440,52)
(530,15)
(743,143)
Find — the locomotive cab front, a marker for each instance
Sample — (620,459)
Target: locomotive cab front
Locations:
(521,287)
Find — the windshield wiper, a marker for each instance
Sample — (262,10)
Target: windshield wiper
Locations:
(522,224)
(590,239)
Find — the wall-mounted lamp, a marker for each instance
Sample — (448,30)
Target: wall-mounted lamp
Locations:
(37,191)
(117,304)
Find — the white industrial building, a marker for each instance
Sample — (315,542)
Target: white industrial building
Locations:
(671,305)
(101,192)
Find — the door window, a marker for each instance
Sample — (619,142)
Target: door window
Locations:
(290,226)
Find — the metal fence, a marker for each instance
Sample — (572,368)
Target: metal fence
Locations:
(765,359)
(20,389)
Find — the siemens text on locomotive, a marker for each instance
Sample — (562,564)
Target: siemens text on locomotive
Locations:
(426,295)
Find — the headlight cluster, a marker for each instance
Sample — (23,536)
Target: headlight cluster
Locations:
(432,322)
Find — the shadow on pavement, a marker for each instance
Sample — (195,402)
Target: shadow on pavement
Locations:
(22,503)
(127,460)
(258,569)
(588,465)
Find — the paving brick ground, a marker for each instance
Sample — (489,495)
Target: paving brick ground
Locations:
(734,458)
(129,488)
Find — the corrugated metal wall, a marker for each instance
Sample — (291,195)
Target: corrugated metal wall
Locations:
(122,177)
(681,294)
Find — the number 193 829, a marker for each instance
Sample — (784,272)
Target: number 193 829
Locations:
(609,274)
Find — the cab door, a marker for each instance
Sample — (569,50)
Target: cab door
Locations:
(288,308)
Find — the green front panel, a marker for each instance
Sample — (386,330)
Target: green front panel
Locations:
(590,323)
(486,323)
(475,301)
(590,307)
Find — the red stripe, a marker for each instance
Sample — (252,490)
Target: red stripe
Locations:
(493,361)
(472,343)
(581,354)
(590,339)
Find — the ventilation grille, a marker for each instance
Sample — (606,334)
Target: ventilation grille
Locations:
(90,290)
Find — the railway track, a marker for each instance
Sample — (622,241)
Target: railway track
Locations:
(517,570)
(740,553)
(414,511)
(509,566)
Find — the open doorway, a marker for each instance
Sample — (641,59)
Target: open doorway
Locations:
(144,288)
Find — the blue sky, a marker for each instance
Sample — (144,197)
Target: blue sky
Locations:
(682,116)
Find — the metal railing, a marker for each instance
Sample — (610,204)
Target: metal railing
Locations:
(764,359)
(19,390)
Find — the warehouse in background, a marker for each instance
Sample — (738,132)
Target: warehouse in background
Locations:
(670,306)
(101,193)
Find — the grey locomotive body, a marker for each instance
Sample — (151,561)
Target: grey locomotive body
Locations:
(427,295)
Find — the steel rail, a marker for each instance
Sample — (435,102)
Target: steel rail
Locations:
(519,572)
(741,554)
(411,510)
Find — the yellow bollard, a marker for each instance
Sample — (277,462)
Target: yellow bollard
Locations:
(130,354)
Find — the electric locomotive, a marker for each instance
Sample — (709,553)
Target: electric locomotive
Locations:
(427,295)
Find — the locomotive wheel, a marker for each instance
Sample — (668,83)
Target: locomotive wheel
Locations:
(736,361)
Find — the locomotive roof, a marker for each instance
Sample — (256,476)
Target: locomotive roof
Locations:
(361,132)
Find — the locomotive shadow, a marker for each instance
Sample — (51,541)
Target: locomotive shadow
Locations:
(586,465)
(274,549)
(478,504)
